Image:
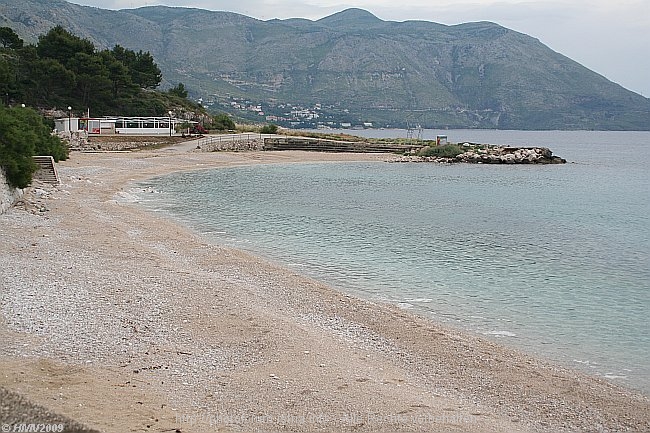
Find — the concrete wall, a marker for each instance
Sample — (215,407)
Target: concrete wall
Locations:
(8,195)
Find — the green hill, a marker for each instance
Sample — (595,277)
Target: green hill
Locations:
(353,67)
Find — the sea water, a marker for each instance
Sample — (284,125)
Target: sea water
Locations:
(552,259)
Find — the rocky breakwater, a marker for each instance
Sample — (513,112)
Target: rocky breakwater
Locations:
(510,155)
(483,154)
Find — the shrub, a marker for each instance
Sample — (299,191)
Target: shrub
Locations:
(269,129)
(23,134)
(179,91)
(222,122)
(445,151)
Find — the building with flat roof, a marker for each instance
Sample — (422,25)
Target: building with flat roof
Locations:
(120,125)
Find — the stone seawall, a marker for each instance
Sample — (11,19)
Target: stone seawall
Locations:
(326,145)
(81,141)
(8,195)
(240,145)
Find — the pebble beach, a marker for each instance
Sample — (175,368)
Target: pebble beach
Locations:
(122,320)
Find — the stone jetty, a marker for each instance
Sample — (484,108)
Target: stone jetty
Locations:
(417,152)
(510,155)
(488,154)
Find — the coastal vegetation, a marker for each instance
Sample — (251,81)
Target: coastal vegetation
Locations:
(23,134)
(269,129)
(223,122)
(64,70)
(444,151)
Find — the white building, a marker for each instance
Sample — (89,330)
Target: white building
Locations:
(120,125)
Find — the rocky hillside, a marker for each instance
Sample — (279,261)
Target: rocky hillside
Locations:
(352,67)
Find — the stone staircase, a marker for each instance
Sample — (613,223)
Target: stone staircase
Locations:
(46,171)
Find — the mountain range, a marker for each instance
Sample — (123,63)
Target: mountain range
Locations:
(353,68)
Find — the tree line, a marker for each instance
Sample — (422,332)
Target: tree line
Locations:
(64,70)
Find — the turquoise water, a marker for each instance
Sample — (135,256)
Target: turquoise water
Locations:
(551,259)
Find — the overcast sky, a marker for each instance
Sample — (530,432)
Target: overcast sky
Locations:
(611,37)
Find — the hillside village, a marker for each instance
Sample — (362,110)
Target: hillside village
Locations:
(316,116)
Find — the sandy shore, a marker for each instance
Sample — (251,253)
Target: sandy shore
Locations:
(124,321)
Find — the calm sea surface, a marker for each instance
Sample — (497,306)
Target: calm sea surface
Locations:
(554,259)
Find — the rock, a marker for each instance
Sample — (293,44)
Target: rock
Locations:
(498,155)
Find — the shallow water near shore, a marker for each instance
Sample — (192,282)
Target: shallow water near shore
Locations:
(552,259)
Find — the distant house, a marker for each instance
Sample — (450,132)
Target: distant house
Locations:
(120,125)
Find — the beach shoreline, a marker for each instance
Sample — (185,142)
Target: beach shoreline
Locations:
(125,321)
